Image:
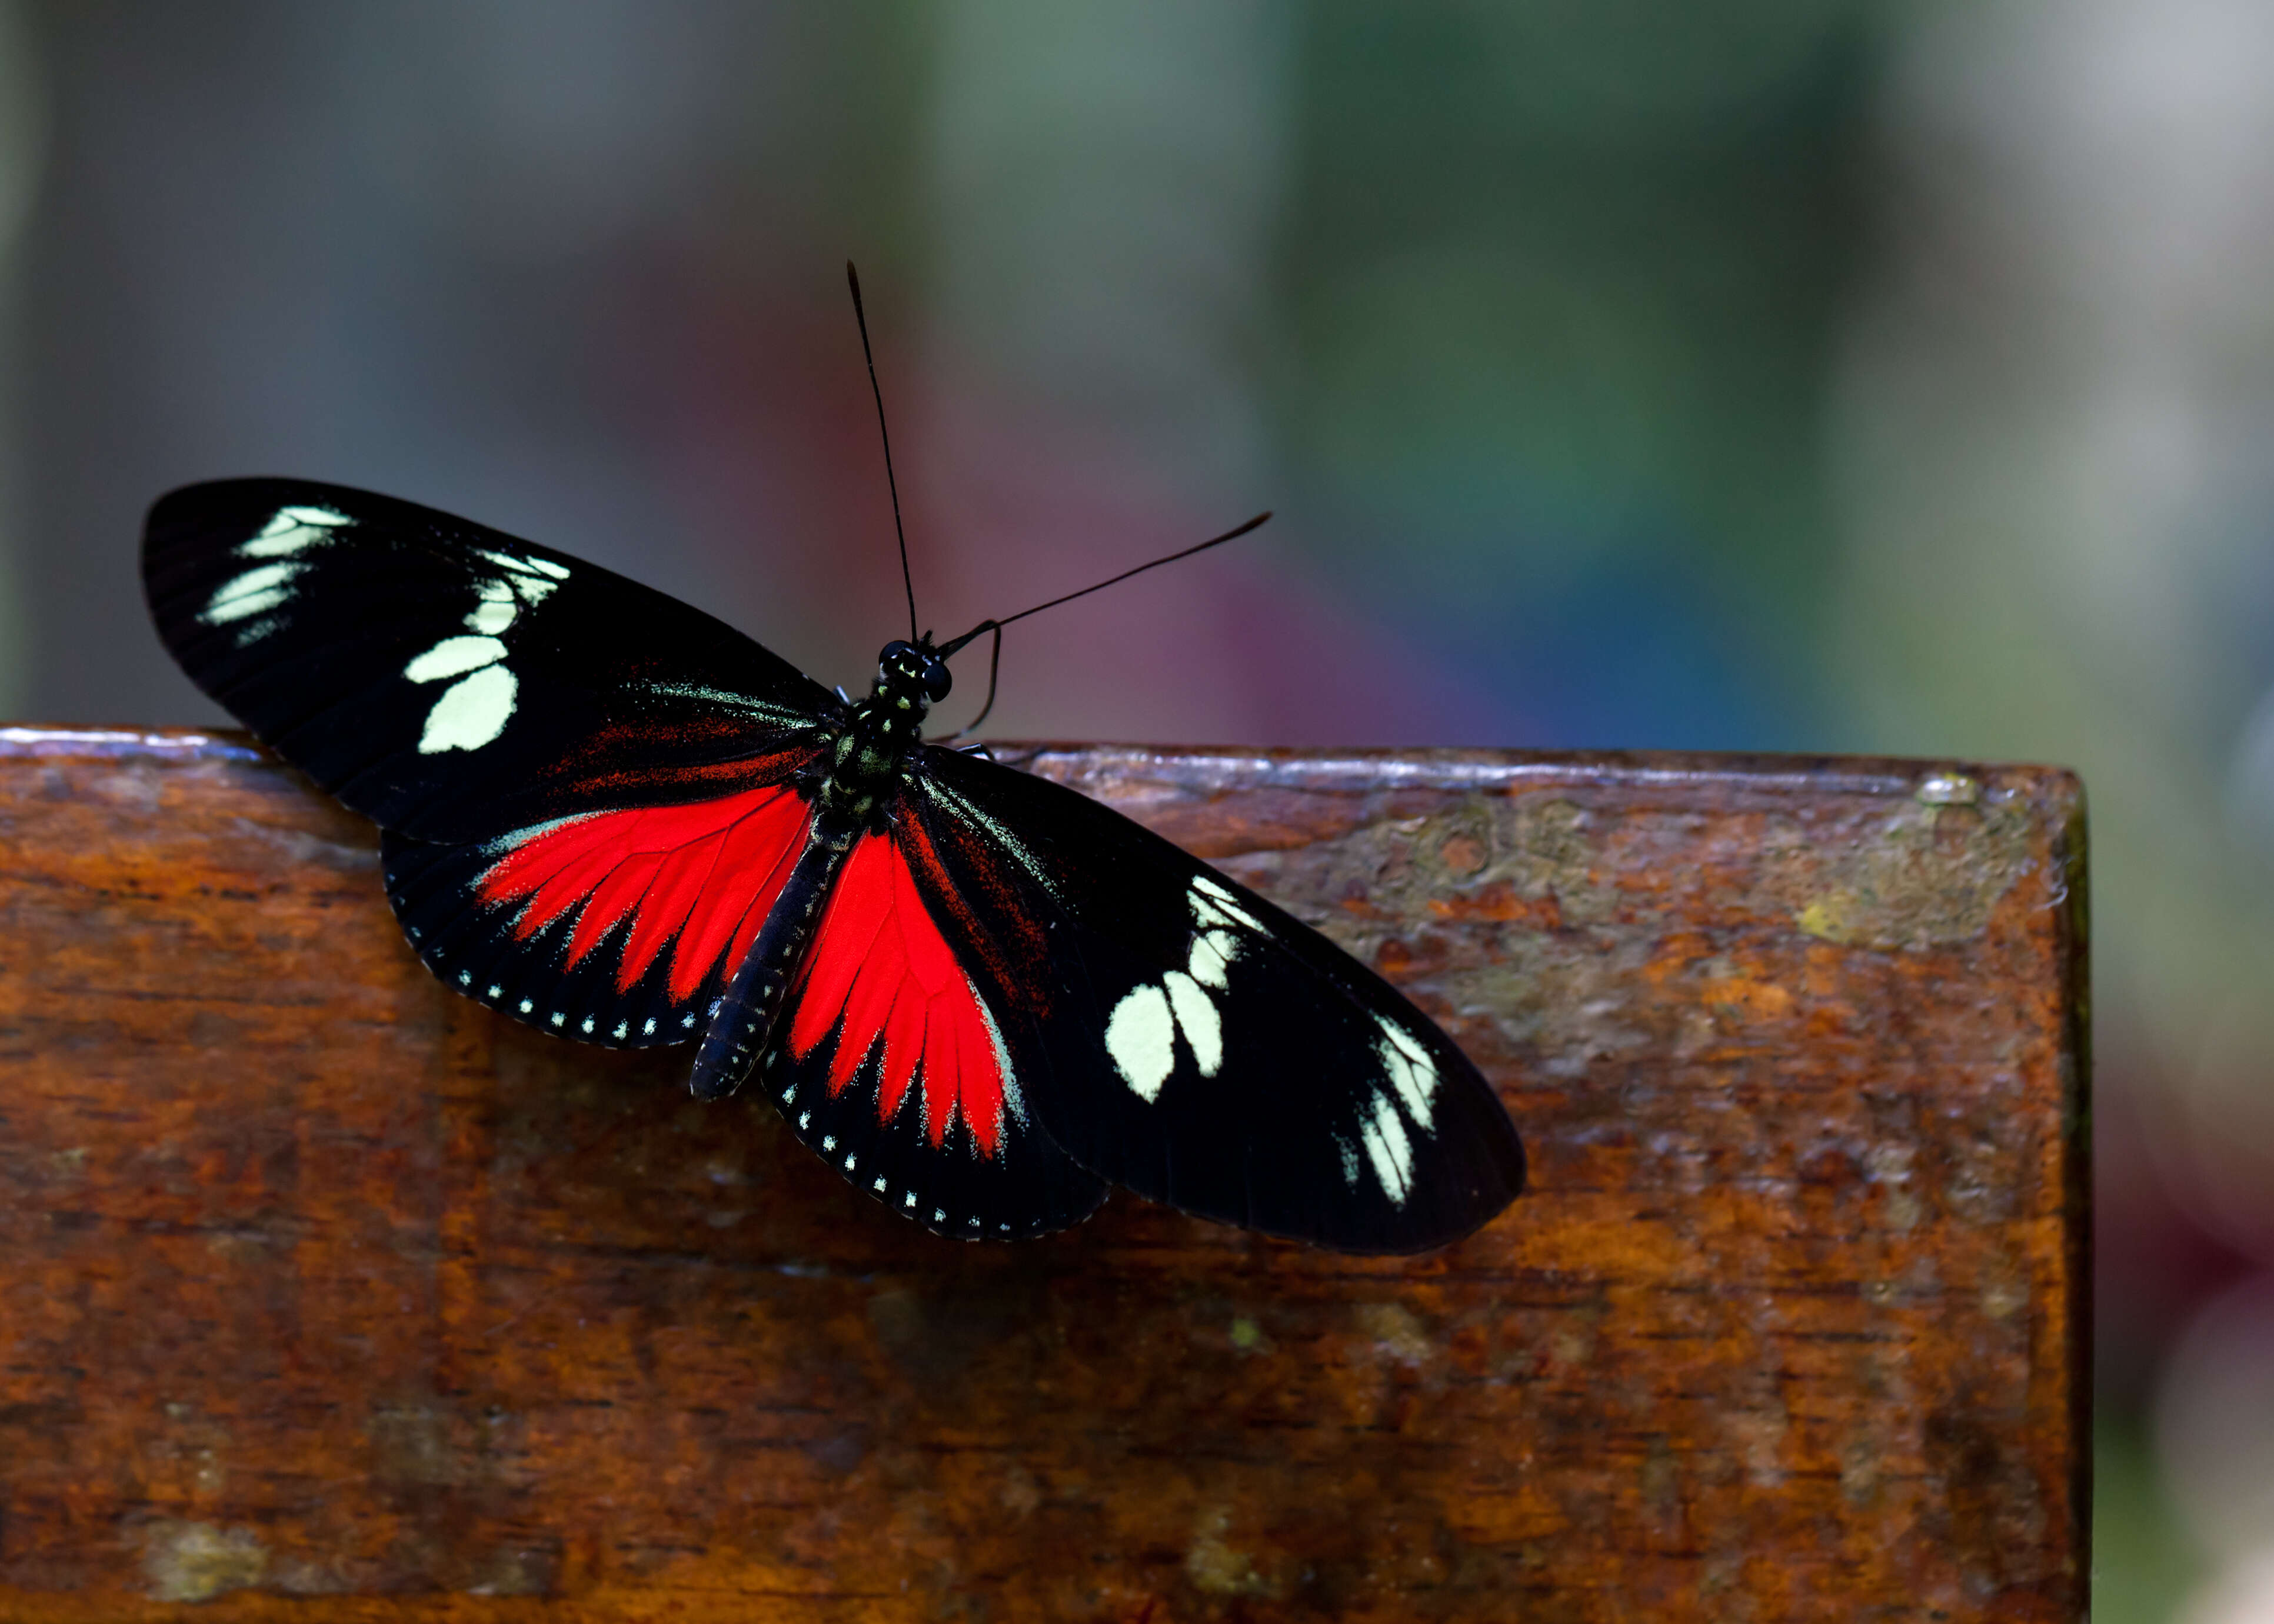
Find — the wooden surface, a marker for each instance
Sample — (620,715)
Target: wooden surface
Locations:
(326,1295)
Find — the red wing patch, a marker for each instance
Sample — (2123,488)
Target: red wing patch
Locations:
(697,879)
(880,972)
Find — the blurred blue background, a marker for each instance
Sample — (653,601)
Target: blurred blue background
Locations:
(1838,377)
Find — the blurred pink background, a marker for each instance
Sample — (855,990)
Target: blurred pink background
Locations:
(1845,378)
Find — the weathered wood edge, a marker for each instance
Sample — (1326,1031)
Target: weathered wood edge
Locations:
(1379,767)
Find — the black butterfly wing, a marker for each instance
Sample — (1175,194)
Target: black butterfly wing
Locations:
(454,683)
(892,1062)
(1185,1038)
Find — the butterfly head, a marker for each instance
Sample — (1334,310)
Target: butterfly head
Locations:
(914,672)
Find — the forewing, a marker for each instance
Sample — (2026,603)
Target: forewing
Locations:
(891,1062)
(1185,1038)
(451,682)
(616,928)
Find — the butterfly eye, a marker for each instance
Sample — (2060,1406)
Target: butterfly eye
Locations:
(937,681)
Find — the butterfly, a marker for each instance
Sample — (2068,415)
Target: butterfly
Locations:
(981,995)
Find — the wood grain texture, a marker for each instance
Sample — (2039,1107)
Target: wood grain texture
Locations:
(326,1295)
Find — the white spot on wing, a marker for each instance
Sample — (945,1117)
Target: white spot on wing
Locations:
(291,530)
(256,589)
(1140,1035)
(237,608)
(327,518)
(1197,1019)
(496,610)
(1214,903)
(220,613)
(274,542)
(455,657)
(1411,1071)
(471,712)
(524,565)
(1388,1149)
(1213,952)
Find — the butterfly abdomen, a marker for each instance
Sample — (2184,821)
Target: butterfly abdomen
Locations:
(742,1022)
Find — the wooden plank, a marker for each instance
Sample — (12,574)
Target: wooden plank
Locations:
(325,1294)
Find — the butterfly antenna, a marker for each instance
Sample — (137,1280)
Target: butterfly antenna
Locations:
(995,664)
(853,280)
(994,625)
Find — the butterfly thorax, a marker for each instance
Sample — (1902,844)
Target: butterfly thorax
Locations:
(861,772)
(852,789)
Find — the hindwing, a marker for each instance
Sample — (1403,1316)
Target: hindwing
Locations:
(892,1061)
(616,928)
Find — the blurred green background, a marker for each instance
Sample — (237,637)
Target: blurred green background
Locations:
(1829,377)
